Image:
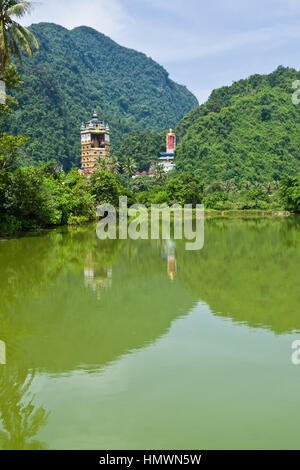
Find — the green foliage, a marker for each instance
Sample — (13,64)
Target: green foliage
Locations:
(80,70)
(15,38)
(144,147)
(72,198)
(184,188)
(217,200)
(37,197)
(129,166)
(254,199)
(9,147)
(105,188)
(12,80)
(247,132)
(141,183)
(290,193)
(29,198)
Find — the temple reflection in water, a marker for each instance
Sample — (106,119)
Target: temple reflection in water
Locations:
(97,277)
(169,252)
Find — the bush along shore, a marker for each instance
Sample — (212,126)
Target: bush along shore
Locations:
(44,196)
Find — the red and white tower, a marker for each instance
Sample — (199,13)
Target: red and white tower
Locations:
(166,160)
(171,142)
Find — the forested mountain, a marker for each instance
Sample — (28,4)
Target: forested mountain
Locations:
(144,147)
(81,70)
(249,131)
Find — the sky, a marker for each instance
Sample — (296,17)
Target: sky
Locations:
(203,44)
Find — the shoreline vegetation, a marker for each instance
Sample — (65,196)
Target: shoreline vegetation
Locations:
(43,195)
(211,214)
(33,199)
(242,216)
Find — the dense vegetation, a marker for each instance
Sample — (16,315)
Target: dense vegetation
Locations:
(80,70)
(144,147)
(36,197)
(44,195)
(248,132)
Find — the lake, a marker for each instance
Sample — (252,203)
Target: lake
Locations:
(144,345)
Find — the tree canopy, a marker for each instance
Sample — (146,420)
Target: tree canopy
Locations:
(79,70)
(248,132)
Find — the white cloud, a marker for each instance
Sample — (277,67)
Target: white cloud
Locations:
(197,33)
(197,40)
(107,16)
(183,46)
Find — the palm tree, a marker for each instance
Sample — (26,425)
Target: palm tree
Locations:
(108,164)
(246,185)
(14,38)
(215,186)
(271,187)
(229,186)
(159,174)
(129,166)
(114,165)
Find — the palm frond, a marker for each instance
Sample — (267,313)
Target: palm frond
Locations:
(29,36)
(15,49)
(21,39)
(3,37)
(14,37)
(19,9)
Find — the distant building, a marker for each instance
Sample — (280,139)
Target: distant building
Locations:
(144,173)
(95,144)
(166,160)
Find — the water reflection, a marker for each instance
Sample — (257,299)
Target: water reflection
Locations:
(248,271)
(97,277)
(71,302)
(47,308)
(135,303)
(169,252)
(21,419)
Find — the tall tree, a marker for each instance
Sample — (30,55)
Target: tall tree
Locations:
(129,166)
(14,38)
(112,165)
(159,174)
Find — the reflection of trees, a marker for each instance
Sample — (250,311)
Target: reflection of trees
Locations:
(31,265)
(248,270)
(61,324)
(21,420)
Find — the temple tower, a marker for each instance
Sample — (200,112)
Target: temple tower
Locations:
(166,160)
(95,144)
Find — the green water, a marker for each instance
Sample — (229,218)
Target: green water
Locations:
(143,345)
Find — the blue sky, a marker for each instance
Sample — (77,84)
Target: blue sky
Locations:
(202,44)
